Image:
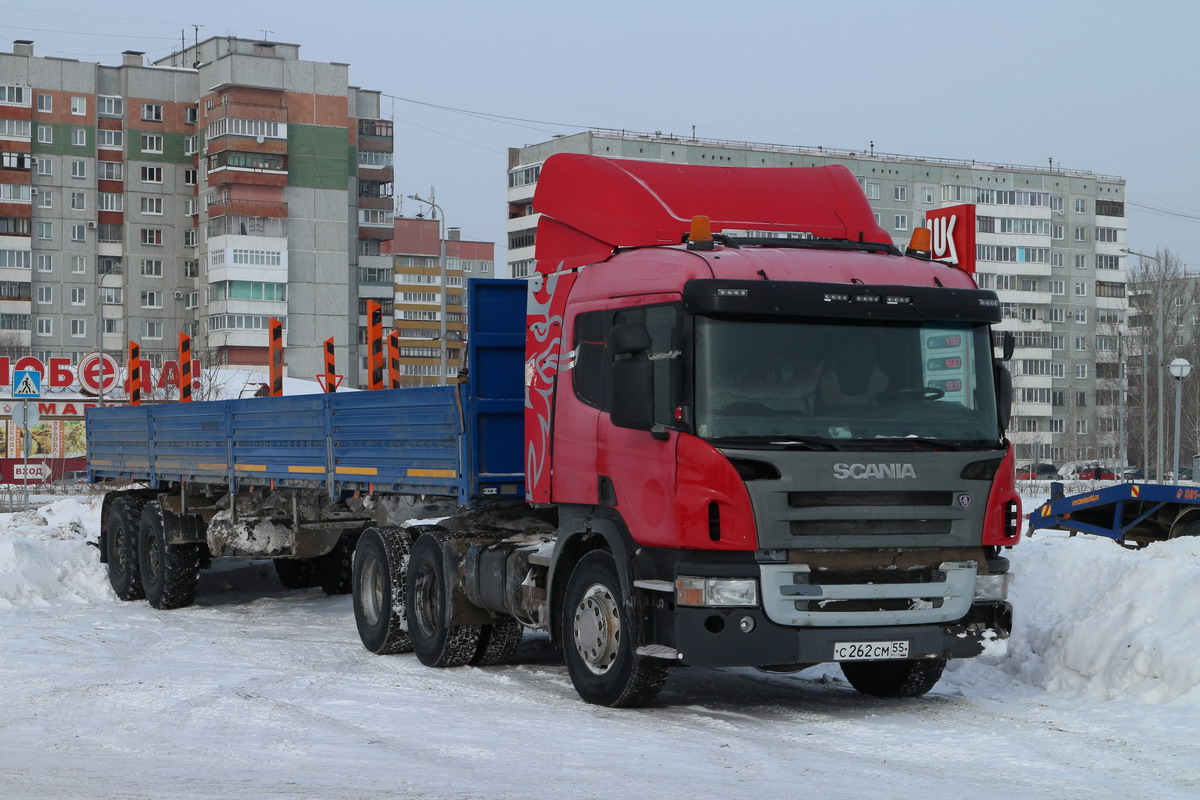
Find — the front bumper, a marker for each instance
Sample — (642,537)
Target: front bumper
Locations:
(723,638)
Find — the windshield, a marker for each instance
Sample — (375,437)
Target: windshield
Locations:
(785,380)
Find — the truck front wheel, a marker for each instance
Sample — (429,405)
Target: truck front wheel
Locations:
(428,593)
(170,572)
(894,678)
(380,573)
(121,547)
(600,636)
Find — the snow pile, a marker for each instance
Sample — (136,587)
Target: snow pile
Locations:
(1095,619)
(1092,619)
(44,557)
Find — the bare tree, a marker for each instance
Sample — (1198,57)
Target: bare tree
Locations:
(1163,302)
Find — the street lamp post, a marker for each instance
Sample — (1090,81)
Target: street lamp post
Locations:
(1180,369)
(441,216)
(1162,323)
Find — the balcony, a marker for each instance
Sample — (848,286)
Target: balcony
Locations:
(247,208)
(375,127)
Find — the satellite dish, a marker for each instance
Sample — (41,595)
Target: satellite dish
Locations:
(260,139)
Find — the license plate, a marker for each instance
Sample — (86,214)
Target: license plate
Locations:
(869,651)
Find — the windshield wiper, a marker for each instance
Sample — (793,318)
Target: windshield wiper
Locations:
(782,442)
(815,243)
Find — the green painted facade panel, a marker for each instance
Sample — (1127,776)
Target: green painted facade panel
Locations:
(318,157)
(62,135)
(173,147)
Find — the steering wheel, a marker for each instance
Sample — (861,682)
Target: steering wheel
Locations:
(920,392)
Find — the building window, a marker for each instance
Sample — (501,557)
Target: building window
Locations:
(78,296)
(45,134)
(78,265)
(78,169)
(79,106)
(872,191)
(110,170)
(152,143)
(1080,233)
(109,106)
(45,262)
(79,328)
(900,193)
(111,201)
(45,103)
(927,196)
(45,166)
(79,201)
(189,115)
(1081,316)
(1107,235)
(79,137)
(45,295)
(112,140)
(152,330)
(189,177)
(1057,287)
(189,237)
(1080,344)
(78,233)
(152,299)
(901,222)
(1080,261)
(152,205)
(152,174)
(152,112)
(111,295)
(152,267)
(45,326)
(1081,426)
(152,236)
(45,230)
(1080,206)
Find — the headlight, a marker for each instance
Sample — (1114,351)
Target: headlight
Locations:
(992,587)
(727,592)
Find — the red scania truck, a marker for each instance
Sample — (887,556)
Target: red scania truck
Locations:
(755,433)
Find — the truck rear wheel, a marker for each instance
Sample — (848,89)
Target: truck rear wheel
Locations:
(600,635)
(298,573)
(380,573)
(121,547)
(428,592)
(337,570)
(497,643)
(170,572)
(894,678)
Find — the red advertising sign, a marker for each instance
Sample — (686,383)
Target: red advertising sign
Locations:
(953,235)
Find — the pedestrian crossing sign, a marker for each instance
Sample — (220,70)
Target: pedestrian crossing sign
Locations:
(26,383)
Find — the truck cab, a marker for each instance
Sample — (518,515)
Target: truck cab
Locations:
(787,436)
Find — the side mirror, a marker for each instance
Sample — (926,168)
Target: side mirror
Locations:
(1008,345)
(631,404)
(1004,394)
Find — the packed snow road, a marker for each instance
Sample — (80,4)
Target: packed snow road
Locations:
(260,692)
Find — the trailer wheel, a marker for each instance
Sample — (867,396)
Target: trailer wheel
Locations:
(428,592)
(497,643)
(298,573)
(337,570)
(600,636)
(380,573)
(170,572)
(121,547)
(1191,529)
(894,678)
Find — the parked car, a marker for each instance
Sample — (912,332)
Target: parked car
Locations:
(1087,471)
(1037,472)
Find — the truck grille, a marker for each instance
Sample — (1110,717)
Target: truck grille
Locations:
(869,527)
(842,499)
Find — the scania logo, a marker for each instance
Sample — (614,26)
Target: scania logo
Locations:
(860,471)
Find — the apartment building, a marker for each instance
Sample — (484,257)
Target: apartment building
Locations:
(1050,242)
(422,280)
(206,192)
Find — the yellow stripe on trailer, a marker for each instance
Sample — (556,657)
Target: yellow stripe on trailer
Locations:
(432,473)
(357,471)
(306,469)
(250,467)
(220,467)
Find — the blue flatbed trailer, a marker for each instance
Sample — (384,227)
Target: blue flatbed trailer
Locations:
(1133,514)
(461,441)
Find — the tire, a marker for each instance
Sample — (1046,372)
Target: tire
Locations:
(380,575)
(337,566)
(121,547)
(426,595)
(894,678)
(497,643)
(600,636)
(170,572)
(298,573)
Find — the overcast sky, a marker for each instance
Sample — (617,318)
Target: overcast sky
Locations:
(1105,86)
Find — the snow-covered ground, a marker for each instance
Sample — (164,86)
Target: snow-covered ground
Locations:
(260,692)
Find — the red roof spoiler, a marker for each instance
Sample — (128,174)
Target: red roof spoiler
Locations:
(590,204)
